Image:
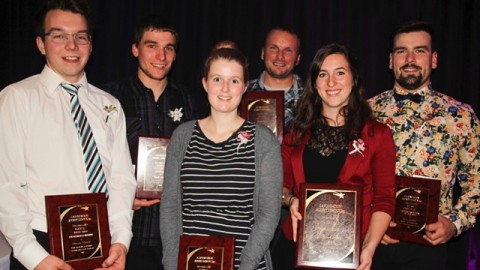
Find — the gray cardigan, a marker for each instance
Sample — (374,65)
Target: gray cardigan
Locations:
(267,197)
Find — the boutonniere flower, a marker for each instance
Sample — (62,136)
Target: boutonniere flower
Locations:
(176,114)
(358,147)
(243,138)
(109,109)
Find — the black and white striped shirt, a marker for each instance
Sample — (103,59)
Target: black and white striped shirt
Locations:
(218,182)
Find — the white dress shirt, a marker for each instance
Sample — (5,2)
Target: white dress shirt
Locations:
(40,154)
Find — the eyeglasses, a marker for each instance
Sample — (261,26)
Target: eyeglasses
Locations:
(62,38)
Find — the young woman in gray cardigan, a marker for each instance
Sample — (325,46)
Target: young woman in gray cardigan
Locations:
(223,174)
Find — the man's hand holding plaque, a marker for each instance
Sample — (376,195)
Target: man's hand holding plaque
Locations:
(416,209)
(78,229)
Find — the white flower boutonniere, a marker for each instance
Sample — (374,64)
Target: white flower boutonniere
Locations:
(176,114)
(358,147)
(243,138)
(109,109)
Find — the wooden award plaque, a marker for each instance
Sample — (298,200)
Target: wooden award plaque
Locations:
(78,228)
(329,233)
(151,155)
(206,252)
(265,107)
(416,205)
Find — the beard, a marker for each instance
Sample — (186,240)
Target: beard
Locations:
(410,82)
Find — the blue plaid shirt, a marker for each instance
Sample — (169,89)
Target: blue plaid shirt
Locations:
(291,96)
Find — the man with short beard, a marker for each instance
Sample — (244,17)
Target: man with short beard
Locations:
(436,137)
(281,54)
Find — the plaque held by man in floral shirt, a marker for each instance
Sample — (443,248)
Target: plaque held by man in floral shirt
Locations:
(416,205)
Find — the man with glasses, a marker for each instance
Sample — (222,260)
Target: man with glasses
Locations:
(42,142)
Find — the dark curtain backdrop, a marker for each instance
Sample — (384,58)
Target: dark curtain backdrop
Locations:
(364,25)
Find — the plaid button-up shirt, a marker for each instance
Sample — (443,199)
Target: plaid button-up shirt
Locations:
(291,96)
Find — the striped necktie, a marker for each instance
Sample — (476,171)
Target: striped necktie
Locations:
(95,175)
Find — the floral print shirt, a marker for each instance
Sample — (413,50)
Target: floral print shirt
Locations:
(438,138)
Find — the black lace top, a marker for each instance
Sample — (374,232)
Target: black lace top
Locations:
(325,154)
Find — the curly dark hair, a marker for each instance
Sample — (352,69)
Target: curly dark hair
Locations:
(308,110)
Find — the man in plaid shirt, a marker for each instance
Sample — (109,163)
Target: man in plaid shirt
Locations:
(281,54)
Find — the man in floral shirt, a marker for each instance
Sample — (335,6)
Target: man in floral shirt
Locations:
(154,105)
(436,137)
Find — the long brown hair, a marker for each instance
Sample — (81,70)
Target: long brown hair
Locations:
(308,110)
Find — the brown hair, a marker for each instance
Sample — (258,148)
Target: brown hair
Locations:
(229,54)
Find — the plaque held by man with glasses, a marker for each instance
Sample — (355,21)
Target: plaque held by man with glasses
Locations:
(206,252)
(265,107)
(329,232)
(150,168)
(78,228)
(416,205)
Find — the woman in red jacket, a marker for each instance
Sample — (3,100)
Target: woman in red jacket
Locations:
(334,139)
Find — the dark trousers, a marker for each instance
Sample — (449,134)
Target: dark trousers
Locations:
(283,254)
(42,239)
(284,213)
(406,256)
(458,248)
(144,257)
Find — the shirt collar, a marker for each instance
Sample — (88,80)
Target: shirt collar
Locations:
(141,89)
(424,91)
(296,81)
(52,80)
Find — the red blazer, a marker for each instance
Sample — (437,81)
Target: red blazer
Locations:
(375,171)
